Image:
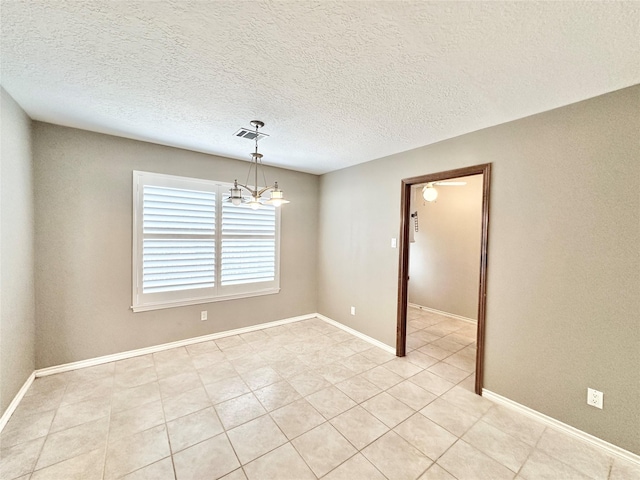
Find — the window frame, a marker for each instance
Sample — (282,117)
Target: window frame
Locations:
(153,301)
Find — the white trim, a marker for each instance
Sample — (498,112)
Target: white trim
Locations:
(609,448)
(356,333)
(576,433)
(43,372)
(198,301)
(16,401)
(217,292)
(165,346)
(446,314)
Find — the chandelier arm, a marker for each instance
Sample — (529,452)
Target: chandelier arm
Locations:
(257,193)
(266,189)
(252,192)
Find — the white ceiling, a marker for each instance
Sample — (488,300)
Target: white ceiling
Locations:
(337,83)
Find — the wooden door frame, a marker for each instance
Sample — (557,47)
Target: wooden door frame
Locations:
(403,272)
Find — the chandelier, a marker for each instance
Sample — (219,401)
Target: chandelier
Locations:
(255,200)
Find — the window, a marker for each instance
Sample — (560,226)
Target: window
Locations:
(191,246)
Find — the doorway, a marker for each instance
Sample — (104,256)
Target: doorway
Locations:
(403,274)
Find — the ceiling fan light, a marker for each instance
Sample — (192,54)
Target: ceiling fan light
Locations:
(429,193)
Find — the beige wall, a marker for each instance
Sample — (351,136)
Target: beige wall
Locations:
(564,263)
(17,301)
(444,259)
(563,305)
(83,244)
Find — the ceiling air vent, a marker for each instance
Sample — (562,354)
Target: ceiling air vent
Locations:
(249,134)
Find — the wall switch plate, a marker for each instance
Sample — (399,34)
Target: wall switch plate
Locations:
(203,315)
(594,398)
(394,243)
(353,310)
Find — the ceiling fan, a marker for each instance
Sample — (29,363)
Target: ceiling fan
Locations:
(429,192)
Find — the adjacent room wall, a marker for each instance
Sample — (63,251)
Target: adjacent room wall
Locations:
(17,302)
(444,259)
(83,205)
(563,304)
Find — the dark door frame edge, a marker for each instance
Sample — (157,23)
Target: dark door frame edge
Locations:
(403,271)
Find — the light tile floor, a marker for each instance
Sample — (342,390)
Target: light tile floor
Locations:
(304,400)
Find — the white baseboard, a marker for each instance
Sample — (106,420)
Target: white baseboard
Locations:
(446,314)
(356,333)
(579,434)
(165,346)
(66,367)
(607,447)
(16,401)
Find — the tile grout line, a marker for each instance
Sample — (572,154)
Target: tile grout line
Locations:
(35,463)
(312,367)
(267,413)
(562,461)
(164,416)
(45,436)
(533,449)
(356,373)
(106,446)
(584,438)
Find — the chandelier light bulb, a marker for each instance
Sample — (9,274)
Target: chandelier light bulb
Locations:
(277,197)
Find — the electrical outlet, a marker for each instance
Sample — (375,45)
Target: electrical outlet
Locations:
(353,310)
(594,398)
(203,315)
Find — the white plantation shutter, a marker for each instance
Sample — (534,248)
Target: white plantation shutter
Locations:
(178,250)
(248,244)
(192,247)
(177,265)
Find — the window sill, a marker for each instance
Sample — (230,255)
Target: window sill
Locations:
(196,301)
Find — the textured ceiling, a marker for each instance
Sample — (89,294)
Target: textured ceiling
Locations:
(337,83)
